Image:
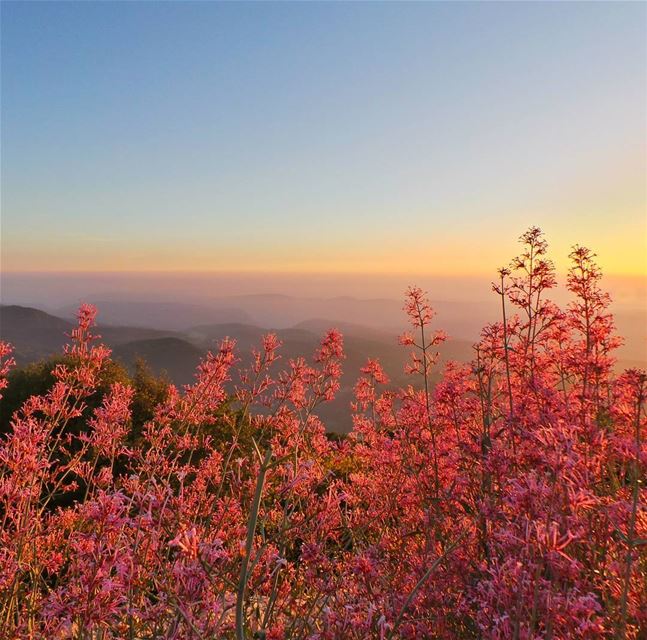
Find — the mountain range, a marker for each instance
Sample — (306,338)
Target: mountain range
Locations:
(36,335)
(173,337)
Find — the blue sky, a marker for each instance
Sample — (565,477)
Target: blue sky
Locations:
(313,137)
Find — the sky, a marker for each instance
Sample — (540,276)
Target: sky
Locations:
(360,138)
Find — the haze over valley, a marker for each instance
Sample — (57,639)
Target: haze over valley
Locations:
(173,333)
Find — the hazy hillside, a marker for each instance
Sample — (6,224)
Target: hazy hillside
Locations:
(37,335)
(632,326)
(158,315)
(174,356)
(34,334)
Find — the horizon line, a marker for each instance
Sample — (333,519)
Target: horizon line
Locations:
(266,272)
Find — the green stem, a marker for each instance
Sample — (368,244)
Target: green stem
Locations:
(251,528)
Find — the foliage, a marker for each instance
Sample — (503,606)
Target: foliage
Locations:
(38,378)
(506,502)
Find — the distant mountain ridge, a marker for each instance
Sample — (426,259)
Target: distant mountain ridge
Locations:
(173,356)
(33,333)
(36,335)
(168,316)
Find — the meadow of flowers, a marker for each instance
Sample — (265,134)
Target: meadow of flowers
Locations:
(504,502)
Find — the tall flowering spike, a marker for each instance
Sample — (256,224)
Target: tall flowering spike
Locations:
(584,277)
(270,345)
(588,315)
(82,334)
(208,393)
(584,274)
(534,245)
(532,275)
(365,394)
(418,307)
(420,313)
(256,380)
(263,359)
(85,360)
(111,420)
(499,287)
(536,271)
(328,356)
(332,347)
(86,316)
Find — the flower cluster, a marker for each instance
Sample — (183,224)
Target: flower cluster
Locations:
(504,502)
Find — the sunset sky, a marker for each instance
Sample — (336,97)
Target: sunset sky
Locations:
(365,138)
